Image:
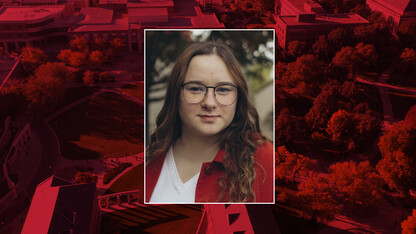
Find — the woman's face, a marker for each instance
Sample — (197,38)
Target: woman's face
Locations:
(208,117)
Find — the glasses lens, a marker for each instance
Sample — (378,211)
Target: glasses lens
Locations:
(194,93)
(226,94)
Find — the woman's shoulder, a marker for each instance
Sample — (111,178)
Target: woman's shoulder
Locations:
(263,145)
(264,150)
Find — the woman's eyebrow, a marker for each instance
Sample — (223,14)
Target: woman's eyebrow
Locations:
(225,83)
(216,84)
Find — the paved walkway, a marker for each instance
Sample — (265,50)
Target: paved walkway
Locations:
(383,89)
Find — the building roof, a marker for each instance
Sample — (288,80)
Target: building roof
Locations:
(300,4)
(58,206)
(207,21)
(43,1)
(137,15)
(115,25)
(399,6)
(325,19)
(24,13)
(149,3)
(104,2)
(95,15)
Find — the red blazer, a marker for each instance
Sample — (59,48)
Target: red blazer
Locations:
(207,188)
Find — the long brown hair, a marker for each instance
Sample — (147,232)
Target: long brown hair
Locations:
(236,139)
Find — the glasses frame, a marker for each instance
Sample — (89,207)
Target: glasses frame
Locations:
(206,91)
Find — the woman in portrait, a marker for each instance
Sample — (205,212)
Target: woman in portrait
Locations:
(208,146)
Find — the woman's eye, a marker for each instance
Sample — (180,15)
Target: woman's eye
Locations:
(222,90)
(195,88)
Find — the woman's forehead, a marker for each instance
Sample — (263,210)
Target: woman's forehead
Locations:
(208,69)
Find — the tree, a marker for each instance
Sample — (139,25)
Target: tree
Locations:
(407,60)
(351,130)
(64,56)
(289,165)
(364,33)
(366,56)
(99,44)
(411,116)
(408,55)
(117,45)
(398,163)
(324,105)
(357,186)
(409,225)
(316,199)
(170,50)
(55,70)
(338,38)
(308,68)
(346,58)
(44,92)
(32,58)
(284,128)
(296,48)
(357,58)
(78,59)
(97,58)
(407,33)
(89,78)
(307,72)
(340,126)
(79,43)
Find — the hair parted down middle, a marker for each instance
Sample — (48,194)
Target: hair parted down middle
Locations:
(237,139)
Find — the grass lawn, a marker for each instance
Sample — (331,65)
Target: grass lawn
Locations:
(153,219)
(105,126)
(132,180)
(401,103)
(135,90)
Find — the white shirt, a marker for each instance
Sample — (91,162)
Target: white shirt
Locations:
(170,188)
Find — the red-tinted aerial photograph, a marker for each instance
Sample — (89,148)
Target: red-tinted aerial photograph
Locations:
(91,91)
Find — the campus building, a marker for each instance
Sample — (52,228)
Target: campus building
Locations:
(395,11)
(58,206)
(129,26)
(308,26)
(39,25)
(33,25)
(294,7)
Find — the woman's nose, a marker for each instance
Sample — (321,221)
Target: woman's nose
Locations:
(209,99)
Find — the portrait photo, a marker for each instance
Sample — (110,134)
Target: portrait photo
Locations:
(209,116)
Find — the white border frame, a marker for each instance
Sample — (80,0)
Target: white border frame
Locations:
(145,116)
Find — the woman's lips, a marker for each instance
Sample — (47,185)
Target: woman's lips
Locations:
(208,118)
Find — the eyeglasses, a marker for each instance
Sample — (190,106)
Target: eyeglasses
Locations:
(194,93)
